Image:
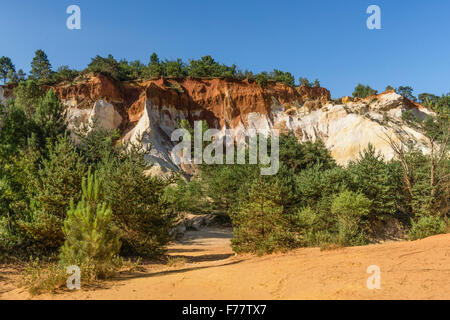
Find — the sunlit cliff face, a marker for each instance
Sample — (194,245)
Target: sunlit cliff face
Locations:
(153,109)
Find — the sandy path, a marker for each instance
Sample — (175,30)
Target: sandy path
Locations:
(409,270)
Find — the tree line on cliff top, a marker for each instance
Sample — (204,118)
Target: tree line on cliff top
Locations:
(123,70)
(205,67)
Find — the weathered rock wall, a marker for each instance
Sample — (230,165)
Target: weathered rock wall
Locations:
(153,109)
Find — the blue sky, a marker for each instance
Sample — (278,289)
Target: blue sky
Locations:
(325,39)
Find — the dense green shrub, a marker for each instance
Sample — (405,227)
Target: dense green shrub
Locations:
(306,224)
(96,143)
(56,182)
(350,208)
(224,182)
(362,91)
(27,95)
(105,66)
(64,73)
(425,227)
(49,119)
(189,197)
(299,156)
(15,131)
(283,77)
(259,224)
(207,67)
(379,181)
(131,70)
(138,203)
(262,79)
(175,69)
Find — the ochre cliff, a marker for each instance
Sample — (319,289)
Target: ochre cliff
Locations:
(152,110)
(220,102)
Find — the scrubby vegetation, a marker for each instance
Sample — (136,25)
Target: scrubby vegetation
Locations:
(88,204)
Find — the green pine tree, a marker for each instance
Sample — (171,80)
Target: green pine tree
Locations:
(6,66)
(259,224)
(50,117)
(57,181)
(379,181)
(40,66)
(92,242)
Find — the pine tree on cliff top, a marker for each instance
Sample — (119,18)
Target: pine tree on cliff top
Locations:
(40,66)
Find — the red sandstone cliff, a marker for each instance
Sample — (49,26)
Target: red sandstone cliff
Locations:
(218,101)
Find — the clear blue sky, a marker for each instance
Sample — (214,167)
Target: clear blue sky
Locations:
(325,39)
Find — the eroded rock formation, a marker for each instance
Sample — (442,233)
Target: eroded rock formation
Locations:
(153,109)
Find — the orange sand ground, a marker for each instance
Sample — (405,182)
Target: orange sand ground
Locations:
(409,270)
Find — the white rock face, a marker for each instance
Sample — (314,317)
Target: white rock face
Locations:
(102,112)
(105,115)
(348,129)
(154,133)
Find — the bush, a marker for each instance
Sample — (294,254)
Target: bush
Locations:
(303,222)
(259,224)
(56,182)
(175,69)
(96,143)
(299,156)
(92,241)
(362,91)
(64,73)
(207,67)
(106,66)
(379,181)
(138,203)
(262,79)
(131,70)
(350,208)
(425,227)
(305,82)
(189,197)
(27,95)
(283,77)
(49,119)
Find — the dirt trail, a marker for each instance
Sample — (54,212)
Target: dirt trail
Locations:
(409,270)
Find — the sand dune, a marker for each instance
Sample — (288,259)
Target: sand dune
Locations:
(409,270)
